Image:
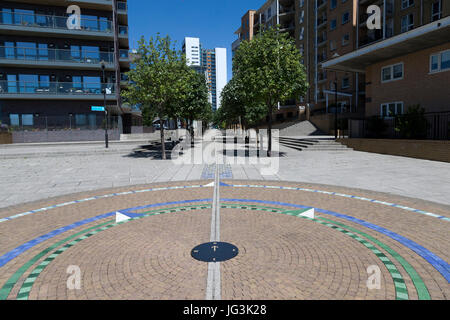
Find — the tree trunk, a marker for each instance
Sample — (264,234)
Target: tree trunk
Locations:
(163,140)
(257,142)
(269,129)
(191,127)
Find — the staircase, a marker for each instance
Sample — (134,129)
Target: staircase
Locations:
(296,129)
(312,144)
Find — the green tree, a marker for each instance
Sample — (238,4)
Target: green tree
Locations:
(195,104)
(271,71)
(237,106)
(159,79)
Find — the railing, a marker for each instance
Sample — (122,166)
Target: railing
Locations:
(123,54)
(123,30)
(122,6)
(55,88)
(55,55)
(53,22)
(37,123)
(430,126)
(321,21)
(320,3)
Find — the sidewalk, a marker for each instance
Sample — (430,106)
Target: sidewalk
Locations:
(58,149)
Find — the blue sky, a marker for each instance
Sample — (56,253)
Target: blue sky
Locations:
(213,21)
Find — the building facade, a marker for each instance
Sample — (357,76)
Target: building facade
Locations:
(51,70)
(212,63)
(326,30)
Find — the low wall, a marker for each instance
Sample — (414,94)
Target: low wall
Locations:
(420,149)
(63,136)
(325,122)
(6,138)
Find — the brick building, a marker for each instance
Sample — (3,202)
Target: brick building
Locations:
(328,32)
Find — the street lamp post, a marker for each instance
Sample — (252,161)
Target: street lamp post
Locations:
(104,103)
(336,55)
(335,106)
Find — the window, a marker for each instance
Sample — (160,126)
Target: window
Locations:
(28,83)
(27,120)
(43,51)
(333,4)
(80,119)
(332,45)
(391,109)
(12,83)
(23,17)
(333,24)
(345,17)
(345,39)
(7,16)
(302,16)
(345,83)
(407,22)
(14,120)
(393,72)
(436,10)
(9,50)
(440,61)
(407,3)
(26,50)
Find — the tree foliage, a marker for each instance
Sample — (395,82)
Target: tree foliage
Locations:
(269,70)
(163,85)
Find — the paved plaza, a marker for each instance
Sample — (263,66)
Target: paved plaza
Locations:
(371,212)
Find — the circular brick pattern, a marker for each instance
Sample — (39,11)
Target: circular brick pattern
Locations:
(280,256)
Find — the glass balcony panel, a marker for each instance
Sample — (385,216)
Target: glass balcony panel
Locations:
(29,19)
(57,88)
(87,55)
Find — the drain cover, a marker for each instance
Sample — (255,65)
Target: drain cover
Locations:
(214,252)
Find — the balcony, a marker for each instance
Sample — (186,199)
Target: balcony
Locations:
(28,24)
(54,58)
(321,4)
(322,22)
(17,90)
(122,7)
(321,57)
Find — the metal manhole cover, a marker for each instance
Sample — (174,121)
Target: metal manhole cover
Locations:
(214,252)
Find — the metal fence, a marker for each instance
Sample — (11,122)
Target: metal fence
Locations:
(429,126)
(36,123)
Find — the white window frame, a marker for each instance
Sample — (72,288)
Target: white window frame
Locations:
(408,5)
(439,14)
(409,25)
(396,111)
(439,56)
(392,72)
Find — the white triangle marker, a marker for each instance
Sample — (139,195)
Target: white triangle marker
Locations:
(209,184)
(309,214)
(120,217)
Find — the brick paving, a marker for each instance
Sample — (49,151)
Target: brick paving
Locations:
(280,257)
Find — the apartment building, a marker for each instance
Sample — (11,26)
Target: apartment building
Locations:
(52,73)
(407,61)
(329,29)
(212,63)
(271,13)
